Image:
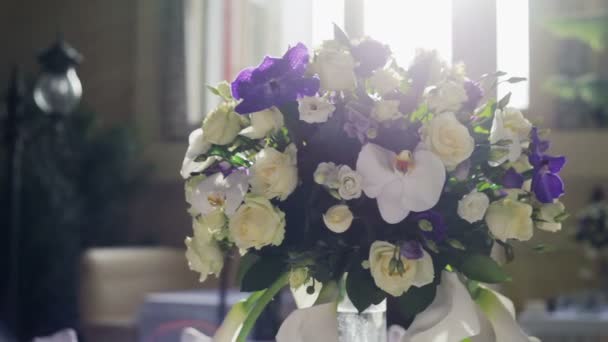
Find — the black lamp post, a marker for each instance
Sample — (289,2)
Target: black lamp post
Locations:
(57,92)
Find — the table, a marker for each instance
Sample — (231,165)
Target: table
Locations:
(566,325)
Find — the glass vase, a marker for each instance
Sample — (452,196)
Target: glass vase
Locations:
(368,326)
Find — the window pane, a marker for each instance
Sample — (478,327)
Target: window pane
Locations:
(410,24)
(324,14)
(513,49)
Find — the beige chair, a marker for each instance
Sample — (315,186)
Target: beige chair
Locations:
(114,282)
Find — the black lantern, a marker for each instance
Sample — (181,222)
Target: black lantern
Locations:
(58,89)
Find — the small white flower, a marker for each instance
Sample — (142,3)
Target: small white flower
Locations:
(338,218)
(219,192)
(350,183)
(385,110)
(197,145)
(315,109)
(509,125)
(203,254)
(263,123)
(401,182)
(416,273)
(472,207)
(222,125)
(547,214)
(335,67)
(449,139)
(274,174)
(446,97)
(385,81)
(257,223)
(509,218)
(327,174)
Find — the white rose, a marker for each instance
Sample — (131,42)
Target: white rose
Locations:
(215,223)
(203,253)
(274,174)
(350,183)
(385,110)
(315,109)
(508,125)
(257,223)
(222,125)
(335,67)
(385,81)
(508,218)
(472,207)
(547,214)
(327,174)
(338,218)
(450,140)
(417,272)
(298,277)
(446,97)
(515,122)
(263,123)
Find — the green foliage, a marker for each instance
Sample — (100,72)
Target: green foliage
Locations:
(263,273)
(361,288)
(591,30)
(588,88)
(340,36)
(416,300)
(483,268)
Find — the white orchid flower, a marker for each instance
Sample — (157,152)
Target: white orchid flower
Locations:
(318,323)
(509,125)
(217,191)
(197,145)
(66,335)
(401,182)
(451,317)
(227,332)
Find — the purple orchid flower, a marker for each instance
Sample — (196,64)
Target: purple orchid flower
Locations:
(474,95)
(512,179)
(440,229)
(411,250)
(274,82)
(546,183)
(371,55)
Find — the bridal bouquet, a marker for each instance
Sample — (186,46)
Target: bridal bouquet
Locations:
(342,174)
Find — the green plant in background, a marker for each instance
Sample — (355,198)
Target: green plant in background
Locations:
(587,91)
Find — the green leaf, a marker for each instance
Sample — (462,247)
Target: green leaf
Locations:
(245,264)
(224,90)
(481,130)
(420,113)
(213,90)
(592,30)
(484,185)
(416,299)
(263,273)
(361,289)
(542,248)
(504,101)
(483,269)
(340,36)
(514,80)
(561,217)
(488,110)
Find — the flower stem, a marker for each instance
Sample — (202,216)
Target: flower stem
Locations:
(259,306)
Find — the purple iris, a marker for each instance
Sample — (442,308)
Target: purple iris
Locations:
(274,82)
(474,95)
(546,183)
(411,250)
(371,55)
(512,179)
(440,229)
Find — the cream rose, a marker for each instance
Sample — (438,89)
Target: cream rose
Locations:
(274,174)
(446,97)
(350,183)
(510,126)
(338,218)
(450,140)
(385,110)
(508,218)
(418,272)
(222,125)
(335,67)
(257,223)
(385,81)
(202,252)
(472,207)
(215,223)
(547,214)
(263,123)
(327,174)
(314,109)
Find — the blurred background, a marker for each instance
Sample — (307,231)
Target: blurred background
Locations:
(93,212)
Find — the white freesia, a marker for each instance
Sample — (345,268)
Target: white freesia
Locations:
(65,335)
(350,183)
(400,183)
(263,123)
(338,218)
(203,254)
(257,223)
(314,109)
(318,323)
(385,81)
(449,139)
(446,97)
(510,127)
(335,67)
(274,174)
(385,110)
(417,272)
(547,214)
(222,125)
(327,174)
(197,145)
(508,218)
(219,192)
(451,317)
(472,207)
